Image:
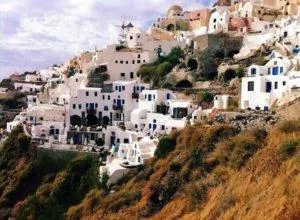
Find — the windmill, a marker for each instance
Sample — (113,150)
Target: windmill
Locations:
(124,28)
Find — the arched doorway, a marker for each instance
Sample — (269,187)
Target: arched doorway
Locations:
(171,27)
(105,121)
(91,120)
(184,84)
(75,120)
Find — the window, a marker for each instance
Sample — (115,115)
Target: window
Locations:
(275,63)
(74,106)
(276,85)
(103,97)
(126,141)
(269,71)
(86,93)
(283,83)
(96,94)
(123,87)
(131,37)
(250,86)
(116,61)
(162,127)
(253,71)
(139,56)
(96,105)
(31,118)
(79,106)
(138,61)
(108,97)
(123,101)
(126,62)
(281,69)
(76,80)
(215,20)
(106,108)
(121,61)
(131,75)
(122,74)
(150,126)
(56,131)
(86,105)
(154,121)
(116,88)
(133,62)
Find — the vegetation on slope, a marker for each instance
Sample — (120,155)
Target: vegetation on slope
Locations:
(156,72)
(213,172)
(207,172)
(42,185)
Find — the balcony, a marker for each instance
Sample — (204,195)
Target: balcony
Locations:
(118,107)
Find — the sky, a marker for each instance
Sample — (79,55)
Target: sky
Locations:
(36,34)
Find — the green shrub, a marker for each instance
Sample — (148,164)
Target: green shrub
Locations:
(165,146)
(192,64)
(207,97)
(289,148)
(229,75)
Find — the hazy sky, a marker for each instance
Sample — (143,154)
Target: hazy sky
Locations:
(38,33)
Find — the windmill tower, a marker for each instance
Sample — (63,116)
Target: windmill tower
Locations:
(124,30)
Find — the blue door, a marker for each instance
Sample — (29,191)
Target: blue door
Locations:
(268,87)
(92,106)
(76,139)
(119,102)
(174,112)
(154,127)
(275,70)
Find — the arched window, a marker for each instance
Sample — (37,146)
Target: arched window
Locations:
(106,108)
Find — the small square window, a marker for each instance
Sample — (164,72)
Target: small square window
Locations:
(116,61)
(96,94)
(123,87)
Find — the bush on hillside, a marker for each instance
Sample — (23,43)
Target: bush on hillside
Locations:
(229,75)
(165,146)
(192,64)
(289,148)
(207,97)
(155,72)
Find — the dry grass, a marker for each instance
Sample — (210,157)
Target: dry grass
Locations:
(265,186)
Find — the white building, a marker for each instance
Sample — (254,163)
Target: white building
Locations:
(219,22)
(266,85)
